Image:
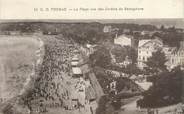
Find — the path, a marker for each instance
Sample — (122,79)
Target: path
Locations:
(131,108)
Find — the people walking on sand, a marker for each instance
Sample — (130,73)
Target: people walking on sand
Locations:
(156,111)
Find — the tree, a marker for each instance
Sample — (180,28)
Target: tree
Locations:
(132,54)
(132,69)
(156,63)
(102,105)
(119,53)
(166,90)
(162,28)
(101,58)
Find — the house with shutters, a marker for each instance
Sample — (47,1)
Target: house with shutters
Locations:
(145,49)
(125,40)
(175,57)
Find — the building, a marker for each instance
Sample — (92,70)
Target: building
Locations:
(144,32)
(88,49)
(125,31)
(146,48)
(38,33)
(126,62)
(77,73)
(176,57)
(181,54)
(15,32)
(124,40)
(169,51)
(113,86)
(107,29)
(75,61)
(91,48)
(179,30)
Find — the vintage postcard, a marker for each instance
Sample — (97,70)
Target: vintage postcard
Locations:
(92,57)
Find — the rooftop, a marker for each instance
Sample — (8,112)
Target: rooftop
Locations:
(74,63)
(142,42)
(75,59)
(76,70)
(124,36)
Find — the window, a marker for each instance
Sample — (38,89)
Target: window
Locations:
(139,57)
(172,61)
(143,58)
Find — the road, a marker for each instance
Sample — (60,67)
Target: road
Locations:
(145,85)
(131,108)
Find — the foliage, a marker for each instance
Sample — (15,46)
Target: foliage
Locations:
(132,54)
(166,90)
(132,69)
(170,36)
(121,52)
(102,105)
(108,105)
(101,57)
(92,32)
(156,62)
(103,79)
(123,84)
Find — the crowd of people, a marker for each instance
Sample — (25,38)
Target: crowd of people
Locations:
(51,88)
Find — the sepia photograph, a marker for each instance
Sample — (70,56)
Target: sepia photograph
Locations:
(88,66)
